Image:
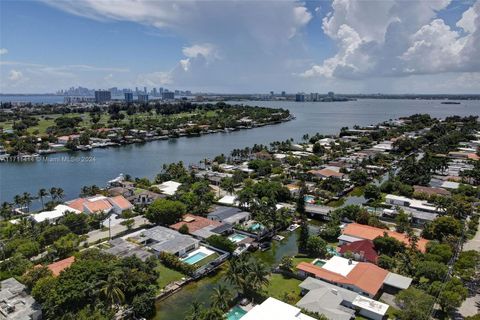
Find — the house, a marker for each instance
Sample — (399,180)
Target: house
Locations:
(338,303)
(144,197)
(229,215)
(53,215)
(431,191)
(161,239)
(99,203)
(275,309)
(362,250)
(198,227)
(169,187)
(120,204)
(64,139)
(122,248)
(362,277)
(356,231)
(320,211)
(326,173)
(16,303)
(59,266)
(420,205)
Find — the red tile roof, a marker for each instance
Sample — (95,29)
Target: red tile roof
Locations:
(326,173)
(76,204)
(365,276)
(362,247)
(101,205)
(367,232)
(60,265)
(121,202)
(431,190)
(195,223)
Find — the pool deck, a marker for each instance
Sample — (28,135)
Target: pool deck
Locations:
(201,249)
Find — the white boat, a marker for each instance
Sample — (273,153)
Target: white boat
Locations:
(293,227)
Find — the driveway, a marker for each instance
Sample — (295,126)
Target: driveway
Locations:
(96,235)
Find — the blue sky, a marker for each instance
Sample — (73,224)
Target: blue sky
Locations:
(241,46)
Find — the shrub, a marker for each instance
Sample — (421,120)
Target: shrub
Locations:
(173,262)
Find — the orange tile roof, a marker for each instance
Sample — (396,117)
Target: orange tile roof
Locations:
(98,205)
(473,156)
(365,276)
(76,204)
(368,232)
(121,202)
(196,224)
(61,265)
(327,173)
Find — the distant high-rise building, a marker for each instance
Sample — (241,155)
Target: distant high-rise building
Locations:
(160,91)
(102,96)
(283,94)
(188,93)
(143,98)
(314,96)
(154,92)
(128,97)
(272,93)
(168,95)
(136,90)
(300,97)
(331,94)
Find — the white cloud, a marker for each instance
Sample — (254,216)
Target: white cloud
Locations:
(397,38)
(248,39)
(3,51)
(15,75)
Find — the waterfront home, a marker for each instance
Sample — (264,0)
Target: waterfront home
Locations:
(229,215)
(275,309)
(65,139)
(337,303)
(122,248)
(355,231)
(168,187)
(100,203)
(144,197)
(161,239)
(420,205)
(362,250)
(16,303)
(362,277)
(198,227)
(431,191)
(53,215)
(319,211)
(59,266)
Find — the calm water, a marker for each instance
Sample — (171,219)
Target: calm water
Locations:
(72,171)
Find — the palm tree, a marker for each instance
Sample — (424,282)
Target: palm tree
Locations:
(60,193)
(41,194)
(195,312)
(258,278)
(18,200)
(237,273)
(53,193)
(27,200)
(213,314)
(6,210)
(221,297)
(111,290)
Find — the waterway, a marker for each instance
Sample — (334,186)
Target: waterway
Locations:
(71,171)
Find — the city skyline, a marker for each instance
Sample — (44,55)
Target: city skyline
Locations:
(241,47)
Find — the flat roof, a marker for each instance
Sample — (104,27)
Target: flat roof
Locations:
(397,281)
(340,265)
(370,305)
(275,309)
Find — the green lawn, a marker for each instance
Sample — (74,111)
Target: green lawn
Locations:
(280,285)
(167,276)
(301,258)
(206,260)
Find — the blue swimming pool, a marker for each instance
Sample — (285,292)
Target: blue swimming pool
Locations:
(256,226)
(195,258)
(237,237)
(309,199)
(236,313)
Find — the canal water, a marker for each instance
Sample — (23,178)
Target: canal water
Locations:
(71,171)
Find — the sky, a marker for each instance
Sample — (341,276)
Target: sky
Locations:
(241,46)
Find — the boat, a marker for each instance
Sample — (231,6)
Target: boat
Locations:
(278,237)
(293,227)
(450,102)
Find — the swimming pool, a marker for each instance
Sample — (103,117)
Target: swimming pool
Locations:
(256,226)
(319,262)
(195,258)
(309,199)
(236,313)
(237,237)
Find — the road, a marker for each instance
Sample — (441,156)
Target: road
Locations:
(470,306)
